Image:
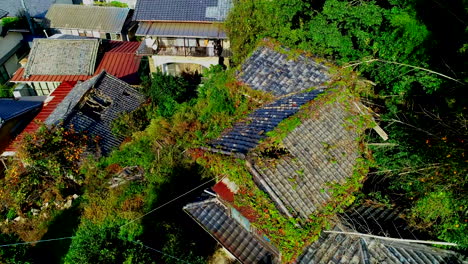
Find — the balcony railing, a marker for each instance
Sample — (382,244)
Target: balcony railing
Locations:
(187,51)
(146,50)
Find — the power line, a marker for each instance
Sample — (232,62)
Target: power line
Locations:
(165,254)
(159,207)
(153,210)
(38,241)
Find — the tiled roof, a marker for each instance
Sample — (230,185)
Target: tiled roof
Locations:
(103,19)
(246,134)
(320,150)
(214,218)
(36,8)
(182,10)
(119,60)
(68,103)
(3,13)
(275,72)
(10,108)
(62,57)
(348,249)
(168,29)
(57,96)
(101,104)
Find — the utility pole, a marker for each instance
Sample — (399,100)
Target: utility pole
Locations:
(28,18)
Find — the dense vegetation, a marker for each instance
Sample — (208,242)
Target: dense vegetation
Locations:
(413,54)
(175,118)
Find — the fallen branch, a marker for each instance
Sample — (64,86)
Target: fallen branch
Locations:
(406,65)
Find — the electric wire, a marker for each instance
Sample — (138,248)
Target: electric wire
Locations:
(132,221)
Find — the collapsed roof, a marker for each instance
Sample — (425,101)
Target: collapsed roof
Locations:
(92,106)
(295,148)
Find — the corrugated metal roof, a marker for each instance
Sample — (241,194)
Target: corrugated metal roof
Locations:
(57,97)
(19,77)
(182,10)
(195,30)
(62,57)
(10,108)
(119,60)
(122,65)
(104,19)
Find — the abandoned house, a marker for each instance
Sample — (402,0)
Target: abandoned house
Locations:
(294,179)
(89,106)
(182,35)
(72,58)
(112,23)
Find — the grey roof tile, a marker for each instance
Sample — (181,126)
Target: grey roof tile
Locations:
(215,219)
(271,71)
(182,10)
(320,151)
(245,135)
(103,98)
(103,19)
(344,249)
(64,57)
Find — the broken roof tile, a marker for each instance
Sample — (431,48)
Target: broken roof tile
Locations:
(246,134)
(271,71)
(104,99)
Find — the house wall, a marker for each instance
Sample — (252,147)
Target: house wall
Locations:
(10,45)
(160,61)
(92,34)
(43,88)
(12,64)
(11,40)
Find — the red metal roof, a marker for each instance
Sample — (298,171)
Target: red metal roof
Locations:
(58,95)
(123,46)
(119,60)
(18,77)
(122,65)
